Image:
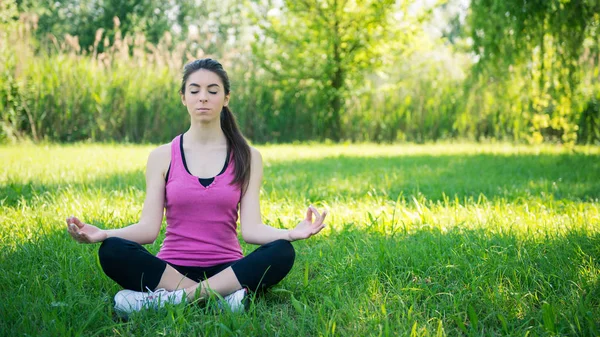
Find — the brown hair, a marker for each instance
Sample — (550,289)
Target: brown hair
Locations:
(236,141)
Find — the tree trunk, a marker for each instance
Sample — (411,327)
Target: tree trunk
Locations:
(336,105)
(337,82)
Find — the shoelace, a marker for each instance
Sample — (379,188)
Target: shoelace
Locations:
(153,295)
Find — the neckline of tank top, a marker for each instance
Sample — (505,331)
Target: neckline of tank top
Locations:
(188,171)
(204,181)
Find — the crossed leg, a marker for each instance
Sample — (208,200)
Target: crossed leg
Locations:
(223,283)
(133,267)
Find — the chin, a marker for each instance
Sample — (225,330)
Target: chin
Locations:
(204,119)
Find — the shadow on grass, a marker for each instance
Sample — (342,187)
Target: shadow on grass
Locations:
(512,177)
(476,282)
(13,193)
(574,177)
(470,280)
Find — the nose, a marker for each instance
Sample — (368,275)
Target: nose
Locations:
(203,97)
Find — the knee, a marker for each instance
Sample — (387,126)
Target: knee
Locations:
(111,250)
(285,252)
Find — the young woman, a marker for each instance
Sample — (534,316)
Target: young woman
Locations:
(201,180)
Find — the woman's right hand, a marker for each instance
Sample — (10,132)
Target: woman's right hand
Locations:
(84,233)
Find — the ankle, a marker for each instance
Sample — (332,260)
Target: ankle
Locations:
(193,292)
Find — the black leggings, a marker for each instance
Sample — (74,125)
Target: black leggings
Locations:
(133,267)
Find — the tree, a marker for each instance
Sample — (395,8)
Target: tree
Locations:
(328,44)
(82,18)
(546,38)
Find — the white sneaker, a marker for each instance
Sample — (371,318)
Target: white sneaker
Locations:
(128,301)
(234,301)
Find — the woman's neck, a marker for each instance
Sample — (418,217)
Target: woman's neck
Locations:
(206,134)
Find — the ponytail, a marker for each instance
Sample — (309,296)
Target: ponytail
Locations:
(240,148)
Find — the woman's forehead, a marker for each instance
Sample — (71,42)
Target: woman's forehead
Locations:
(204,77)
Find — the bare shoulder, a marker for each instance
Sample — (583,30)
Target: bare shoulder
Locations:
(254,152)
(160,158)
(161,152)
(255,156)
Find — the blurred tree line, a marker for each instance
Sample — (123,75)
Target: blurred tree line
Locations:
(343,70)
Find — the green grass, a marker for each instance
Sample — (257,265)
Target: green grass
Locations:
(430,240)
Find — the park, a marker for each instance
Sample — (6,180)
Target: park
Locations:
(454,144)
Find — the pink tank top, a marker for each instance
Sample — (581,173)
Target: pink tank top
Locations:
(201,221)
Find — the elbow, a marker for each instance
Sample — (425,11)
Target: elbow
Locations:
(245,237)
(248,238)
(150,233)
(149,238)
(152,238)
(148,241)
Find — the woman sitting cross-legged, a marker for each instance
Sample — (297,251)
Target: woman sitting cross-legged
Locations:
(199,181)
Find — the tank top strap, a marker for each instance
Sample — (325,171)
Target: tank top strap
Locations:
(176,162)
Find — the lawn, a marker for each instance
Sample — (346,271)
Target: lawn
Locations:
(423,240)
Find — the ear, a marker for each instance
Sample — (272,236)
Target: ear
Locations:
(226,100)
(182,98)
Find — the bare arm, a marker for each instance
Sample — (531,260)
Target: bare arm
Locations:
(147,229)
(253,229)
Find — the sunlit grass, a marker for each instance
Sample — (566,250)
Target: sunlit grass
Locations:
(424,240)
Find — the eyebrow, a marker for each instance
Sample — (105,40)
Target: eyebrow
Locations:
(198,85)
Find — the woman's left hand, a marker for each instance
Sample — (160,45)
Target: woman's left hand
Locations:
(307,228)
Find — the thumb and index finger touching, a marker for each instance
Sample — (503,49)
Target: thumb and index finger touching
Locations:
(320,217)
(72,220)
(74,227)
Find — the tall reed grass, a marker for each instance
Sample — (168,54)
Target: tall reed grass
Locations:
(125,90)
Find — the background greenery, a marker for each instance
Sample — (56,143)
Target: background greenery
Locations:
(447,239)
(342,70)
(422,240)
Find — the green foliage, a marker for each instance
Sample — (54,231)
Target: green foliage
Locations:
(8,13)
(305,70)
(506,32)
(66,97)
(418,242)
(539,46)
(323,46)
(83,18)
(589,123)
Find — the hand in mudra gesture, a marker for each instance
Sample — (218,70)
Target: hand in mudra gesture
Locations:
(307,227)
(84,233)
